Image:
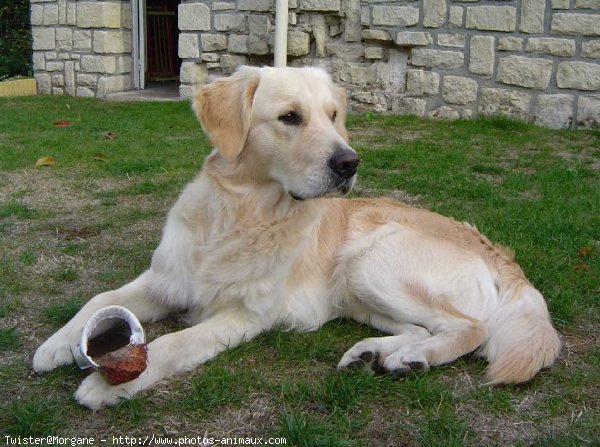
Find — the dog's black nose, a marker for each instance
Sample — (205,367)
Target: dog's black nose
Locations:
(344,162)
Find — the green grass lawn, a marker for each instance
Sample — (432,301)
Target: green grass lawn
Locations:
(90,222)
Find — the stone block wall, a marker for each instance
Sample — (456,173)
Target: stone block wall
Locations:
(534,60)
(81,48)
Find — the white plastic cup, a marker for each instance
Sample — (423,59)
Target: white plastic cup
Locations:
(102,321)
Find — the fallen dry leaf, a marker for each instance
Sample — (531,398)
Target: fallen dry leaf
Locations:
(110,135)
(62,123)
(584,251)
(582,267)
(100,156)
(45,161)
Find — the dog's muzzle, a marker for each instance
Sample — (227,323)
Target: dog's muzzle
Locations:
(342,166)
(344,163)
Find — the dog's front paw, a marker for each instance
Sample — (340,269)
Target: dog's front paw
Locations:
(95,392)
(55,351)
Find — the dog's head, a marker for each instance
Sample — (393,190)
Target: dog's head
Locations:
(287,123)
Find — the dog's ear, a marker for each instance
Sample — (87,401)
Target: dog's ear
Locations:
(340,122)
(224,109)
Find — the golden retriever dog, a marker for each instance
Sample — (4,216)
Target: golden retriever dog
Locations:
(261,239)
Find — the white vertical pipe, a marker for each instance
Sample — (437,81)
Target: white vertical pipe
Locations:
(281,27)
(142,42)
(135,30)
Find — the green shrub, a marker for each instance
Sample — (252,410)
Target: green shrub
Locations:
(15,39)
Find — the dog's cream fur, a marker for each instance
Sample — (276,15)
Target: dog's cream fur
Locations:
(242,255)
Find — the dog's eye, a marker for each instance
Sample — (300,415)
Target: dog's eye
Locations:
(290,118)
(334,116)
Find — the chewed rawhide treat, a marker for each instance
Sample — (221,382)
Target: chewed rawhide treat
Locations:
(124,364)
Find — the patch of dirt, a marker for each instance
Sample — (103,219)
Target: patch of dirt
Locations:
(502,429)
(397,194)
(490,178)
(583,140)
(533,196)
(366,132)
(511,164)
(588,160)
(70,212)
(576,344)
(392,428)
(43,189)
(72,230)
(74,214)
(252,419)
(371,136)
(529,420)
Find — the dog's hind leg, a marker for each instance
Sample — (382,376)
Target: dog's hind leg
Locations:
(437,337)
(370,353)
(425,284)
(452,338)
(58,349)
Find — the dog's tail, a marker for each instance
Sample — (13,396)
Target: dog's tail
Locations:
(521,338)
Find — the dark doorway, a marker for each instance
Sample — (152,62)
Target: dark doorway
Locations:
(162,36)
